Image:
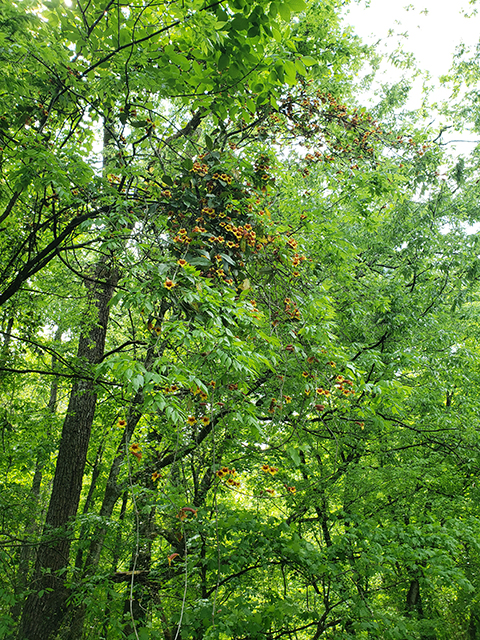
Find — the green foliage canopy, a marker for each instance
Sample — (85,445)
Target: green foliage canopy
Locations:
(239,356)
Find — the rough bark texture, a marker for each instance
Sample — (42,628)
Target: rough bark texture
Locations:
(45,607)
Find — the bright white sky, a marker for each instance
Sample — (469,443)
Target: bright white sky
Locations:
(430,29)
(433,27)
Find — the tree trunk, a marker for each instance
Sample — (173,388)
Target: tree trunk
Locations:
(45,607)
(414,601)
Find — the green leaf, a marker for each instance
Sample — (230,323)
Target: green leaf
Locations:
(137,382)
(199,262)
(272,12)
(251,106)
(284,11)
(300,67)
(208,142)
(297,5)
(125,36)
(221,13)
(223,61)
(276,34)
(227,258)
(240,23)
(290,72)
(180,60)
(294,455)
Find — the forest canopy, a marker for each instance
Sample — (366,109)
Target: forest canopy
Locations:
(238,323)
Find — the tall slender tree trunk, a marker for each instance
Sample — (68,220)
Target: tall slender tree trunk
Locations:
(45,607)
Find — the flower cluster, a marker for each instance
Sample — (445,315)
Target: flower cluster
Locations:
(225,472)
(297,259)
(197,391)
(183,237)
(323,392)
(223,220)
(262,166)
(155,326)
(268,469)
(223,217)
(308,114)
(223,177)
(239,232)
(170,389)
(291,309)
(255,313)
(200,168)
(344,385)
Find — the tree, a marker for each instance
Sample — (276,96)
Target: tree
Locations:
(267,383)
